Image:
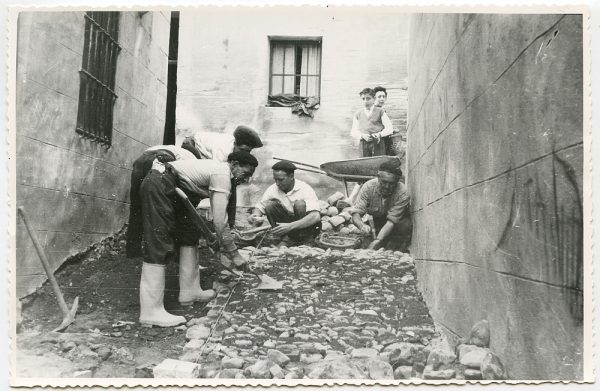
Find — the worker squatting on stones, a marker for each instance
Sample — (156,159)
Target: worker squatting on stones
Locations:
(202,145)
(166,224)
(387,200)
(290,205)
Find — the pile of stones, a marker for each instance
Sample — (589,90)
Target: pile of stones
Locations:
(335,216)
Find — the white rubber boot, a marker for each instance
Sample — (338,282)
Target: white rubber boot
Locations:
(152,293)
(189,278)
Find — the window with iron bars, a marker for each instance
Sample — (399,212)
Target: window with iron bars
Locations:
(97,76)
(295,66)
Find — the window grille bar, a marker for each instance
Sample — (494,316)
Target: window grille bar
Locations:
(99,27)
(98,81)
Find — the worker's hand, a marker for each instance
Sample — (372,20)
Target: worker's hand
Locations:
(256,220)
(375,244)
(376,136)
(282,229)
(365,229)
(367,137)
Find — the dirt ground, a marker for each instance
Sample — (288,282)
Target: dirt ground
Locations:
(106,341)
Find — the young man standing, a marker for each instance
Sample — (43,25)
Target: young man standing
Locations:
(369,125)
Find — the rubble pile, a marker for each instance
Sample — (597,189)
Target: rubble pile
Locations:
(335,215)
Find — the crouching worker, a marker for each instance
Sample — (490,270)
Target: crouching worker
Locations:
(387,200)
(290,205)
(167,224)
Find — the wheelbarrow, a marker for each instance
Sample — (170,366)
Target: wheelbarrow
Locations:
(353,170)
(266,282)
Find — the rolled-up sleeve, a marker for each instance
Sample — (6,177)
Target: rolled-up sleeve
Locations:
(399,208)
(220,183)
(362,200)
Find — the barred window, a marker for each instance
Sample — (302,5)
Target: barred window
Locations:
(295,66)
(97,76)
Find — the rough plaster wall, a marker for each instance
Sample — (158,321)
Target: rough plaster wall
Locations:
(76,192)
(495,158)
(223,78)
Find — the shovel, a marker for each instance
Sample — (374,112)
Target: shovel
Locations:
(68,315)
(266,282)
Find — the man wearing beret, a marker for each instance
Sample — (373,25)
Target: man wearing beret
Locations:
(167,224)
(387,200)
(290,205)
(217,146)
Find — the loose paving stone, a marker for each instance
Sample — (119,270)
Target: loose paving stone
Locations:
(197,332)
(444,374)
(364,353)
(480,334)
(277,357)
(492,368)
(473,357)
(473,374)
(403,372)
(379,369)
(440,359)
(232,363)
(276,372)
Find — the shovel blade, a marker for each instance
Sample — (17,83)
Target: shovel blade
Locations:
(268,284)
(70,317)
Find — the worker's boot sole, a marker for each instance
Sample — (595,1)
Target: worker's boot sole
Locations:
(199,299)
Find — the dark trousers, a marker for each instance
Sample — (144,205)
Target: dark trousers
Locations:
(277,213)
(372,148)
(141,167)
(166,223)
(400,237)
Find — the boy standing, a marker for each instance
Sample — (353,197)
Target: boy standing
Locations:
(369,125)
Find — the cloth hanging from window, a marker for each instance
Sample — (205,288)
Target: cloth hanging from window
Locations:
(300,105)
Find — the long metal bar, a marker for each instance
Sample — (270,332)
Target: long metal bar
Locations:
(61,300)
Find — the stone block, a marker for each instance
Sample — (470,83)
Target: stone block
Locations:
(480,334)
(336,221)
(440,359)
(472,358)
(430,374)
(277,357)
(403,372)
(176,369)
(335,197)
(492,368)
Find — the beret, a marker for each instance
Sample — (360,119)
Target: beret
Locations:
(391,166)
(245,135)
(243,157)
(284,166)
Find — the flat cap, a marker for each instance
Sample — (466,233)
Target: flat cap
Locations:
(285,166)
(243,157)
(245,135)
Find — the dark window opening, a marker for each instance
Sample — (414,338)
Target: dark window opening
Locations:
(295,66)
(169,132)
(97,76)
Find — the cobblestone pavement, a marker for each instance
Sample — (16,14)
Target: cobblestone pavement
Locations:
(340,314)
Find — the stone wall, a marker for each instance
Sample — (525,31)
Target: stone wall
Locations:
(75,191)
(495,168)
(223,78)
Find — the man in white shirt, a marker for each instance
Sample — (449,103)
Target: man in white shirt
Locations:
(290,205)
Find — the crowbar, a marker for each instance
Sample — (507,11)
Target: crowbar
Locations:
(68,315)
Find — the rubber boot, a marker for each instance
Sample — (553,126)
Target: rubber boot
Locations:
(189,278)
(152,293)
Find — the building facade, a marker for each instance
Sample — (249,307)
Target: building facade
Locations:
(495,164)
(234,58)
(91,94)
